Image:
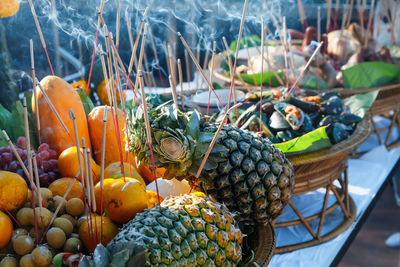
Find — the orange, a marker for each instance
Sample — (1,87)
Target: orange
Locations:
(97,192)
(103,95)
(147,173)
(83,85)
(101,230)
(153,198)
(6,229)
(8,8)
(68,164)
(114,171)
(60,186)
(13,191)
(122,200)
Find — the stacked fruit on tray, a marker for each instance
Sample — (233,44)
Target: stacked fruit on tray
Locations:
(84,204)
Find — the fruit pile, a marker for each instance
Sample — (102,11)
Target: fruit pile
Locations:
(46,159)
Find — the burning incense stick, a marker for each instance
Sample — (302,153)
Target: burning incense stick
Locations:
(153,46)
(196,63)
(85,175)
(103,148)
(73,118)
(40,33)
(302,15)
(213,141)
(198,60)
(328,14)
(35,168)
(206,57)
(262,68)
(173,88)
(141,59)
(237,49)
(34,87)
(211,75)
(230,73)
(118,23)
(52,107)
(319,24)
(305,68)
(148,131)
(188,78)
(172,64)
(371,13)
(181,83)
(129,28)
(8,140)
(91,185)
(28,139)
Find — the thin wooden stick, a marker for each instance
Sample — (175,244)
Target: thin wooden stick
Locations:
(40,33)
(129,28)
(206,57)
(52,107)
(181,83)
(237,49)
(106,79)
(213,141)
(319,24)
(371,13)
(103,148)
(302,15)
(118,23)
(188,76)
(211,75)
(196,63)
(151,79)
(230,71)
(141,59)
(34,88)
(173,89)
(304,68)
(91,185)
(198,60)
(350,13)
(284,44)
(172,65)
(153,46)
(85,180)
(8,140)
(37,181)
(78,149)
(28,139)
(328,15)
(148,132)
(262,69)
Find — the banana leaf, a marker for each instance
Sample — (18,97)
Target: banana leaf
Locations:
(359,104)
(315,83)
(268,76)
(371,74)
(5,118)
(309,142)
(86,101)
(248,40)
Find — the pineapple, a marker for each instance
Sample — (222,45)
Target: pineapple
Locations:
(188,230)
(243,171)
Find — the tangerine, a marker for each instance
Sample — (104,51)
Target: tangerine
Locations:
(13,191)
(6,229)
(8,8)
(60,186)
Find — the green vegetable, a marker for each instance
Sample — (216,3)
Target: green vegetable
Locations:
(268,78)
(249,40)
(86,101)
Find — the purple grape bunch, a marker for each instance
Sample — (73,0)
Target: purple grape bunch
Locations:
(46,159)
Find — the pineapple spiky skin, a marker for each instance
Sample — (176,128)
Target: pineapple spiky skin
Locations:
(243,170)
(188,230)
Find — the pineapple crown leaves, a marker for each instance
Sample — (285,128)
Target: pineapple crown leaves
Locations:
(178,142)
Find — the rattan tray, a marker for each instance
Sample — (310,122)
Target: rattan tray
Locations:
(317,169)
(265,245)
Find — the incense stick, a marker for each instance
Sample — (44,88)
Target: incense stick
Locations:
(34,88)
(328,15)
(91,185)
(28,139)
(305,68)
(85,180)
(302,15)
(319,24)
(262,69)
(40,33)
(213,141)
(153,46)
(35,168)
(237,49)
(172,65)
(211,75)
(198,60)
(196,63)
(181,83)
(52,107)
(103,148)
(173,89)
(129,28)
(371,13)
(78,149)
(118,23)
(8,140)
(148,132)
(206,57)
(188,78)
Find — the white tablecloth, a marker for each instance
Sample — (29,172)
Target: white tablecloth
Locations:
(366,176)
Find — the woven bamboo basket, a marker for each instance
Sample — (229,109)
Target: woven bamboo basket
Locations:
(265,244)
(317,169)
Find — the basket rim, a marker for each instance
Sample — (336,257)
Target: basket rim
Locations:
(359,135)
(266,244)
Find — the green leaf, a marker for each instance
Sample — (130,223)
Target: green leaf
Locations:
(206,137)
(249,40)
(120,258)
(309,142)
(371,74)
(359,104)
(57,260)
(193,127)
(217,86)
(268,78)
(101,256)
(17,114)
(86,101)
(5,124)
(314,83)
